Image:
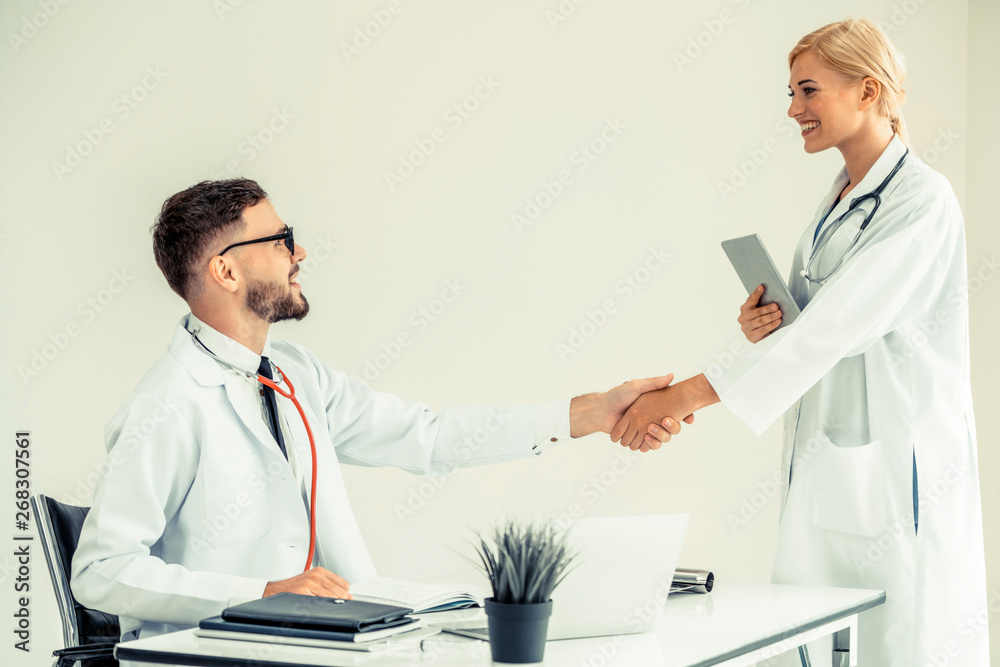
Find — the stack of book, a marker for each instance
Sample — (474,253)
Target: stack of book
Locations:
(306,620)
(378,617)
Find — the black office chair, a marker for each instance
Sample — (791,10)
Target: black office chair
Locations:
(88,635)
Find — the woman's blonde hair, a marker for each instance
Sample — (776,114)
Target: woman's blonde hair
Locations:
(857,48)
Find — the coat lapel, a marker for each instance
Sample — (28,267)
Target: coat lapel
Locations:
(251,416)
(207,372)
(297,430)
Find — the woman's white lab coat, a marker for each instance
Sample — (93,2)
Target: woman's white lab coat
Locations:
(873,379)
(200,509)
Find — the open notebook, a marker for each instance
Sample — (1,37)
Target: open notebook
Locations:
(422,598)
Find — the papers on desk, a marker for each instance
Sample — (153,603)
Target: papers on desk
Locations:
(236,630)
(422,598)
(216,628)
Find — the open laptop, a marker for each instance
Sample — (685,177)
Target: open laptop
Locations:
(621,578)
(619,582)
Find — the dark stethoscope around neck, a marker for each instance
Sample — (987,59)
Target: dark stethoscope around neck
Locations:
(831,229)
(290,395)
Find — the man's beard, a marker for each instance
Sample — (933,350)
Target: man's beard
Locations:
(271,303)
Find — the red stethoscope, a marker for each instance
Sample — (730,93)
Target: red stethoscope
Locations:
(290,395)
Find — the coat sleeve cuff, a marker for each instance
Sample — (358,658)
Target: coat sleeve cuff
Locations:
(244,589)
(752,403)
(743,407)
(551,425)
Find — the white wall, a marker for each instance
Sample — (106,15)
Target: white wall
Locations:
(984,242)
(686,127)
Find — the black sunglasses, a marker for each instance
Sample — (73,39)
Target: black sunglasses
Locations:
(287,235)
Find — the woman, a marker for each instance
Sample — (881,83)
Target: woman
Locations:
(873,377)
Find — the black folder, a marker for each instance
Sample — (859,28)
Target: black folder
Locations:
(310,612)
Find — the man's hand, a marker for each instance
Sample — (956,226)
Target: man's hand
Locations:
(638,429)
(600,412)
(317,581)
(755,322)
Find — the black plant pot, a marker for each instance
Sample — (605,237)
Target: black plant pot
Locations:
(517,631)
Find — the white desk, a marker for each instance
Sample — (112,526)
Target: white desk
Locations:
(734,626)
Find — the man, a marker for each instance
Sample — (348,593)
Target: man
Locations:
(208,500)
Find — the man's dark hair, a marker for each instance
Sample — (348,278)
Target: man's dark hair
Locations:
(192,220)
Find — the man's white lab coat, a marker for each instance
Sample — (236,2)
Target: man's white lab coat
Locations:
(200,509)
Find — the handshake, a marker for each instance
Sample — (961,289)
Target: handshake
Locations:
(644,414)
(641,414)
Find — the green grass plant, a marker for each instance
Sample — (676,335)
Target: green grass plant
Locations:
(524,561)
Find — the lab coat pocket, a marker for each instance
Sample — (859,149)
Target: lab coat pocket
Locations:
(847,488)
(236,502)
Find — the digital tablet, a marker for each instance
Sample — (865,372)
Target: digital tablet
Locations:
(755,267)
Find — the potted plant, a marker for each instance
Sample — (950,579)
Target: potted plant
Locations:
(524,563)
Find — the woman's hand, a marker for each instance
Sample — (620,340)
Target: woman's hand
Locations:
(755,322)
